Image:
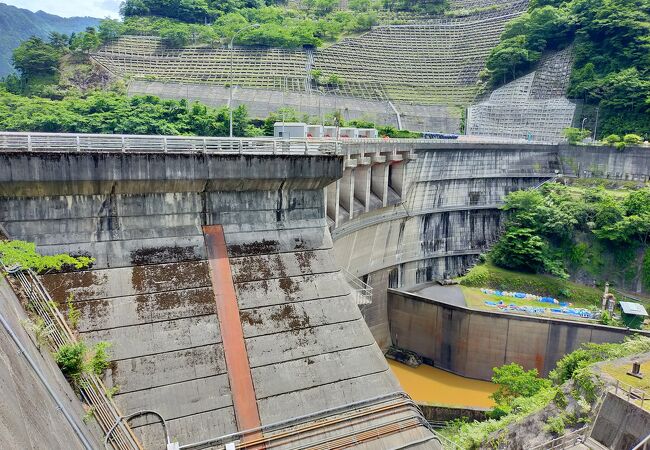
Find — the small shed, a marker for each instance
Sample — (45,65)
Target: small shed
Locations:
(368,133)
(633,314)
(289,130)
(315,131)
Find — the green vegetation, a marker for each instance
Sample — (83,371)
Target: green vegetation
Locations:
(72,312)
(111,112)
(611,55)
(569,394)
(489,276)
(513,382)
(42,332)
(215,23)
(20,24)
(25,255)
(575,135)
(76,359)
(560,229)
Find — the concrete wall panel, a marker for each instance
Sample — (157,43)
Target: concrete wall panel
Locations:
(471,342)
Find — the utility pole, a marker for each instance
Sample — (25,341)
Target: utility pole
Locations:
(232,63)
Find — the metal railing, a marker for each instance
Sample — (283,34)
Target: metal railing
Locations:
(566,441)
(126,143)
(446,443)
(362,291)
(91,389)
(643,445)
(121,143)
(632,394)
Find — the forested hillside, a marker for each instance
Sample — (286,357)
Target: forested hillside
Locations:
(611,40)
(18,24)
(591,231)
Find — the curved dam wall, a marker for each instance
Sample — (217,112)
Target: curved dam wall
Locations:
(214,282)
(446,210)
(470,342)
(447,215)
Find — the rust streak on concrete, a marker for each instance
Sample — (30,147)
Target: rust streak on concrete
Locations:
(239,371)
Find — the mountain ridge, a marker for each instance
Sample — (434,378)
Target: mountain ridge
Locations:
(19,24)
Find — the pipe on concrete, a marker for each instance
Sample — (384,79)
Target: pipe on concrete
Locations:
(297,420)
(60,405)
(131,416)
(419,441)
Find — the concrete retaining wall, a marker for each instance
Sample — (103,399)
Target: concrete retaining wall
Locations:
(620,425)
(471,342)
(632,164)
(261,103)
(446,413)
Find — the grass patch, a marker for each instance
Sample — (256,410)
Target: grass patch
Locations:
(476,299)
(619,372)
(489,276)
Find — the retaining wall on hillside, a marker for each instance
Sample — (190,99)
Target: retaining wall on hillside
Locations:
(470,342)
(261,103)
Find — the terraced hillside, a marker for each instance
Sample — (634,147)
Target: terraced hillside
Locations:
(532,107)
(426,62)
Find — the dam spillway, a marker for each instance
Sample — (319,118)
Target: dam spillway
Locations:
(152,295)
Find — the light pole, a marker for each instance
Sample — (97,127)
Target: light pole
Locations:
(582,128)
(232,63)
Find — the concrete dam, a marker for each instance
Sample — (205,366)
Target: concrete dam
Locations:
(223,268)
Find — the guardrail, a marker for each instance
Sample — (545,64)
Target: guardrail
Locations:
(74,142)
(362,291)
(93,143)
(91,389)
(566,441)
(632,394)
(643,445)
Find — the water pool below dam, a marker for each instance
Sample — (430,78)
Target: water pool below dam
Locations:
(432,386)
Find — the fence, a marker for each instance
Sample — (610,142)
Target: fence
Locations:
(91,389)
(567,441)
(633,395)
(644,444)
(64,142)
(111,143)
(362,291)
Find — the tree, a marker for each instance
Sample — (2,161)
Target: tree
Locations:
(513,381)
(109,30)
(130,8)
(86,41)
(35,57)
(575,135)
(321,7)
(632,139)
(59,41)
(521,249)
(510,58)
(612,139)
